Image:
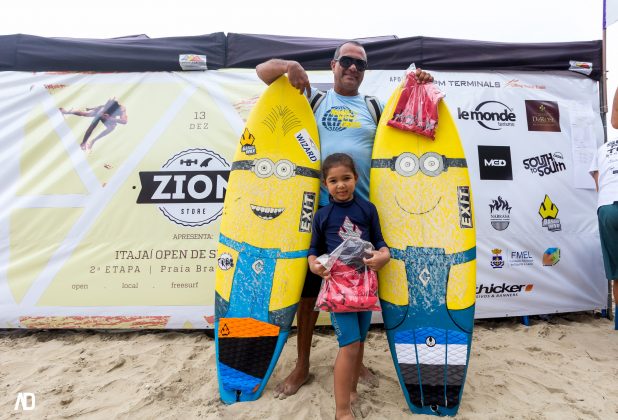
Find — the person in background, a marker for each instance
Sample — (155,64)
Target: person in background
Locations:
(604,170)
(346,126)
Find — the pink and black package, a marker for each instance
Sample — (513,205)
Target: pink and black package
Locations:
(417,108)
(353,287)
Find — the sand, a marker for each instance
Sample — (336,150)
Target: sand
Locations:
(564,367)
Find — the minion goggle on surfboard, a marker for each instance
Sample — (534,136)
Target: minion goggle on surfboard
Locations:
(282,169)
(408,164)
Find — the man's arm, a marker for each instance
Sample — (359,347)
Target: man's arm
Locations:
(615,111)
(595,175)
(270,71)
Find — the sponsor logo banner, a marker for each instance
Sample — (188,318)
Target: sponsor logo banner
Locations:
(543,115)
(551,256)
(520,258)
(549,215)
(499,213)
(492,115)
(495,162)
(496,258)
(190,187)
(502,290)
(546,164)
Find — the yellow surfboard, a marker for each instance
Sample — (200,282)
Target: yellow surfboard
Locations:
(265,235)
(422,191)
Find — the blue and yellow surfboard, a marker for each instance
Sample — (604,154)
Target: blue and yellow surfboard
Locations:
(422,191)
(265,235)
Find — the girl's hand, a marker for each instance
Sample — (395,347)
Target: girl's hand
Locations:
(317,268)
(378,259)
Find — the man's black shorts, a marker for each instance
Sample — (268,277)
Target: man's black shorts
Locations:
(311,288)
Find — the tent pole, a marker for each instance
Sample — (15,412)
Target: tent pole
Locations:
(603,97)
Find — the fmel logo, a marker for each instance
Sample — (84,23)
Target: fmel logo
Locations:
(190,187)
(520,258)
(500,213)
(543,115)
(549,215)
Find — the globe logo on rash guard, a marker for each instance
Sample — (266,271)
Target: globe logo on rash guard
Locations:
(338,118)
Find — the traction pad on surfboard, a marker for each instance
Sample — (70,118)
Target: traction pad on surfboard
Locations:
(432,362)
(238,338)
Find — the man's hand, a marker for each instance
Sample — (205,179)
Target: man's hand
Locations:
(270,71)
(423,77)
(378,259)
(298,77)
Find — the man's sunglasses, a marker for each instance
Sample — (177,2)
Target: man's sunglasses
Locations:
(346,62)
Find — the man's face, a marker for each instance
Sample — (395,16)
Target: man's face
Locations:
(347,81)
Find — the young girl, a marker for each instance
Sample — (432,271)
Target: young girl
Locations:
(346,215)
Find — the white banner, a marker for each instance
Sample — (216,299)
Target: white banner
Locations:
(529,139)
(114,183)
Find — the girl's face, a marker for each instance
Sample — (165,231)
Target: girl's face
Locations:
(341,182)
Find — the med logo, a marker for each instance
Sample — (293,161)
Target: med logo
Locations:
(189,188)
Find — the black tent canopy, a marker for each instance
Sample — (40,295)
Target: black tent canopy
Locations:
(139,53)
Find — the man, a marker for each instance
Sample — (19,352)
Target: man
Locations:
(345,125)
(604,170)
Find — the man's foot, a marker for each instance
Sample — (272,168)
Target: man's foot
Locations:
(344,415)
(292,383)
(360,408)
(367,377)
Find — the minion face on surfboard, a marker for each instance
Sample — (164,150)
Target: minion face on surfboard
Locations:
(422,191)
(265,235)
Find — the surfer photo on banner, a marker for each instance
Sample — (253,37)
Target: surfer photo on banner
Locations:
(347,122)
(110,114)
(346,216)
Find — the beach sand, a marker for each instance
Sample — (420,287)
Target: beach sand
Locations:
(564,367)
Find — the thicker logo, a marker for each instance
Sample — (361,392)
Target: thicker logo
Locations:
(495,162)
(492,115)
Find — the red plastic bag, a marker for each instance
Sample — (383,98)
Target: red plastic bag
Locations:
(353,287)
(417,108)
